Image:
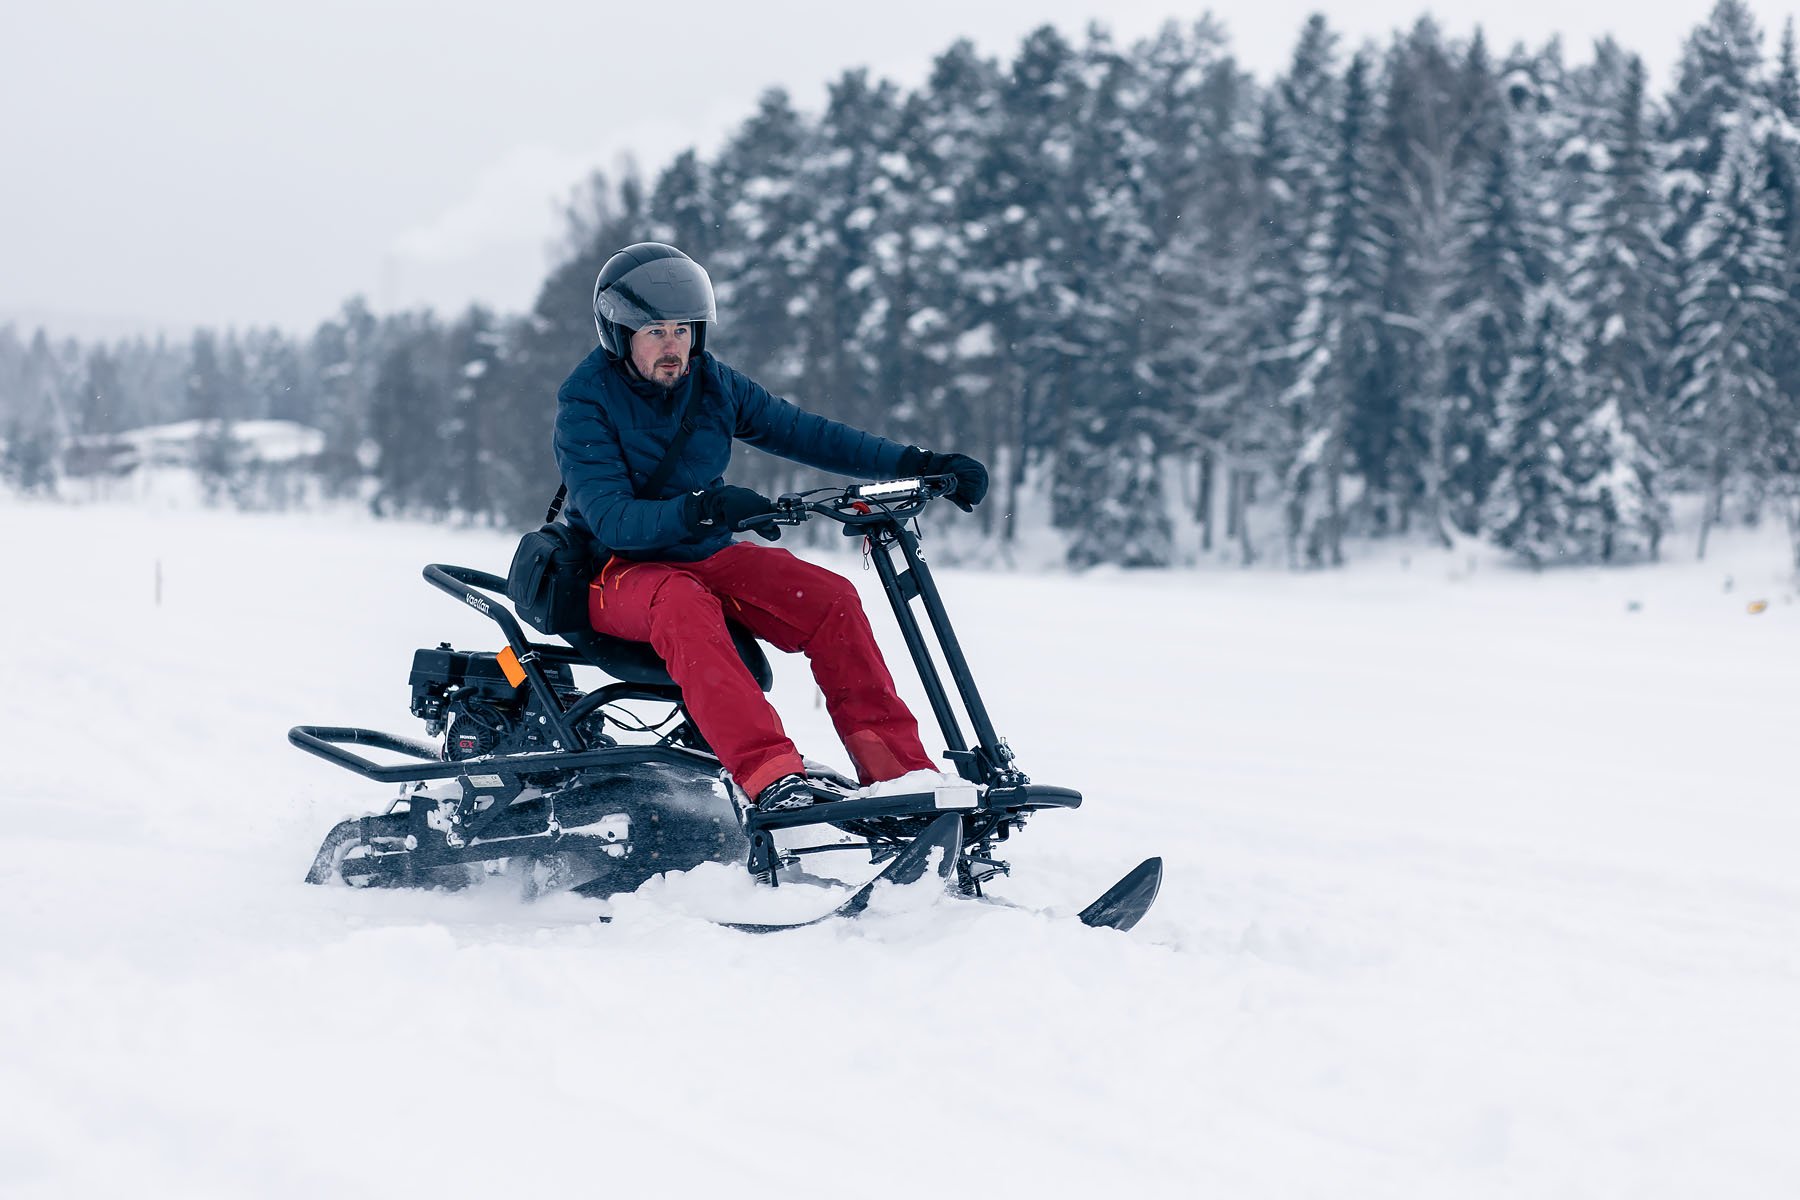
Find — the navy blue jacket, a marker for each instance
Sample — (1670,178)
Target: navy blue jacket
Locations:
(612,431)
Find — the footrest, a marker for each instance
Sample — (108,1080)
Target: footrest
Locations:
(946,798)
(857,808)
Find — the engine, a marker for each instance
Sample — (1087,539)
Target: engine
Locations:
(466,697)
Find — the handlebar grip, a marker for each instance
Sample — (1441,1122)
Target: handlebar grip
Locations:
(767,526)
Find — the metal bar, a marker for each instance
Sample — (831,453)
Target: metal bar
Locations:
(988,740)
(882,554)
(913,804)
(467,584)
(326,742)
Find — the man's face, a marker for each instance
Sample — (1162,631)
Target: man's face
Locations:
(660,352)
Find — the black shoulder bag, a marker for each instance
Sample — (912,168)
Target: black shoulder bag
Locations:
(551,569)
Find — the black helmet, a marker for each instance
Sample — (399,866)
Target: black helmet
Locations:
(650,282)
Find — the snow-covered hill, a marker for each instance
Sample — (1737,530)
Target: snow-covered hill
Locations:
(1480,884)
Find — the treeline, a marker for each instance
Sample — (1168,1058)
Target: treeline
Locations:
(1425,287)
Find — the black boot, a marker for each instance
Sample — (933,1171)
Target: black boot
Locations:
(788,792)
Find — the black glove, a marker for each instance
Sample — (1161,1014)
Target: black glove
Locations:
(726,505)
(971,476)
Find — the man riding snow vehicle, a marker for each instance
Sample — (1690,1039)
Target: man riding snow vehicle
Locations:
(644,432)
(526,777)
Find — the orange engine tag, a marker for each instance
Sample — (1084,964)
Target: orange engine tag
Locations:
(509,663)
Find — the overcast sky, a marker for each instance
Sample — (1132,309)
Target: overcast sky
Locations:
(234,162)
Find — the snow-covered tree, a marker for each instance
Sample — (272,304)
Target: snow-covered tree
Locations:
(1338,335)
(1534,507)
(1620,282)
(760,292)
(1291,205)
(1472,318)
(837,315)
(1116,432)
(1718,86)
(1730,306)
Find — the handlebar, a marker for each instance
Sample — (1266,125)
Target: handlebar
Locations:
(860,504)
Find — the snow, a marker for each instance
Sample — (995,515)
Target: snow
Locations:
(978,342)
(950,791)
(1480,884)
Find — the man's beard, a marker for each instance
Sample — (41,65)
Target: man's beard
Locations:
(656,379)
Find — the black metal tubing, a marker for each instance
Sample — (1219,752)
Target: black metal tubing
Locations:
(881,553)
(613,692)
(467,584)
(989,741)
(1024,798)
(327,742)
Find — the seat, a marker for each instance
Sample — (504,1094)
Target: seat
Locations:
(638,662)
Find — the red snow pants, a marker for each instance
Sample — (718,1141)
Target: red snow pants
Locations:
(680,609)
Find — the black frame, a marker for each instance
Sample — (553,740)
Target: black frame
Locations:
(880,514)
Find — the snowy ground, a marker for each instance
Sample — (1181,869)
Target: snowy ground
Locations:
(1480,884)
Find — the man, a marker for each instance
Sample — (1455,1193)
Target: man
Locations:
(675,573)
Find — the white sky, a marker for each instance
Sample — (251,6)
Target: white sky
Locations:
(165,163)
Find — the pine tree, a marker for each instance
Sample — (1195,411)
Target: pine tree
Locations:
(1717,86)
(1730,305)
(1114,445)
(1129,524)
(100,400)
(215,378)
(1024,211)
(1338,335)
(686,209)
(757,177)
(343,353)
(1291,205)
(1782,147)
(840,305)
(218,458)
(1619,281)
(945,361)
(1397,408)
(1616,476)
(278,380)
(28,456)
(475,354)
(38,426)
(407,425)
(1534,507)
(1485,326)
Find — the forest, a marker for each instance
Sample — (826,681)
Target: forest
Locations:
(1434,288)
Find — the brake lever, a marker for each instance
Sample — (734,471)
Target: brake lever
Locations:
(790,509)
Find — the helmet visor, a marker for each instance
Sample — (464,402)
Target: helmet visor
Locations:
(665,289)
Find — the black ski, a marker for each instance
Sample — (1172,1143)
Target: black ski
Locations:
(1120,907)
(1125,902)
(909,866)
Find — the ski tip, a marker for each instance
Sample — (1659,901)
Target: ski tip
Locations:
(1125,902)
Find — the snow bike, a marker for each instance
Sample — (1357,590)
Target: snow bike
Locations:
(532,778)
